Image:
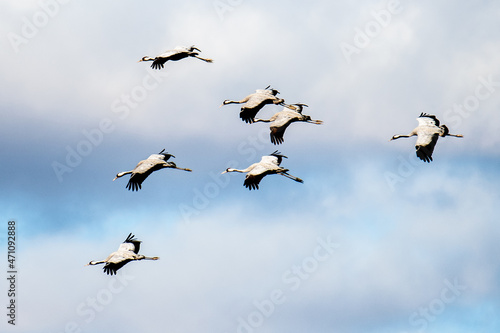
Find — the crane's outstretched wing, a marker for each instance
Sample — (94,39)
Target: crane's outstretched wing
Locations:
(427,120)
(248,115)
(111,268)
(275,158)
(159,62)
(254,177)
(276,135)
(252,182)
(130,244)
(425,146)
(281,122)
(135,181)
(142,171)
(255,103)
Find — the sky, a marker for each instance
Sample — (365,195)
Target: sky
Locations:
(374,240)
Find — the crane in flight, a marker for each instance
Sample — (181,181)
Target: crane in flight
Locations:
(281,120)
(178,53)
(268,165)
(128,251)
(428,131)
(146,167)
(253,103)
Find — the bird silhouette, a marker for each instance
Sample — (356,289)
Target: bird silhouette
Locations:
(268,165)
(178,53)
(253,103)
(281,120)
(145,167)
(428,131)
(128,251)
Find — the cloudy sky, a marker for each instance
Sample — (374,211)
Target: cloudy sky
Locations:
(374,240)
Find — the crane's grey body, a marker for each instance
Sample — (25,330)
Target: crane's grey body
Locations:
(145,167)
(178,53)
(253,103)
(128,251)
(268,165)
(428,131)
(281,120)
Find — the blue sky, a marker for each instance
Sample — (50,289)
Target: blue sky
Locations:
(374,240)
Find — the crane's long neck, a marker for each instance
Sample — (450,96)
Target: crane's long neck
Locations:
(230,101)
(96,262)
(146,58)
(256,120)
(121,174)
(455,135)
(238,170)
(402,136)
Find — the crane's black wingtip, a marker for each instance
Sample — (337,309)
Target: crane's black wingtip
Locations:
(109,271)
(129,238)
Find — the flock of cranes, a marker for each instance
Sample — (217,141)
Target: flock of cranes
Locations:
(427,132)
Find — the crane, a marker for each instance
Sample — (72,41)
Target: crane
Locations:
(253,103)
(428,131)
(145,167)
(268,165)
(178,53)
(128,251)
(281,120)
